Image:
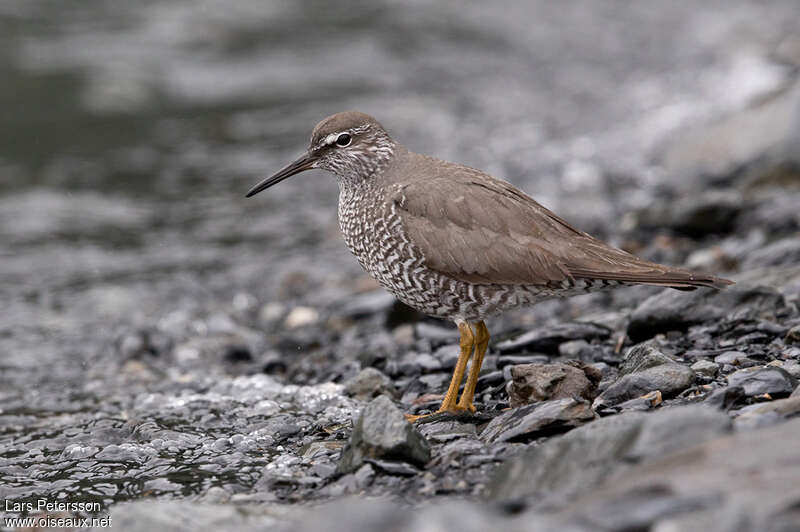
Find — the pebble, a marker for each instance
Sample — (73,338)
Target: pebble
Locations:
(548,339)
(705,367)
(300,317)
(541,382)
(669,379)
(763,380)
(548,417)
(369,383)
(382,432)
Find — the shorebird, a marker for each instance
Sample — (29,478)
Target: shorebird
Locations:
(456,243)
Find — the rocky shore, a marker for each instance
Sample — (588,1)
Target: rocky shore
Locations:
(192,361)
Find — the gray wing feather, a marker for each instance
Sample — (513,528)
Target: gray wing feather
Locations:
(475,228)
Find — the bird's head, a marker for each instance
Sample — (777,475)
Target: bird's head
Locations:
(352,145)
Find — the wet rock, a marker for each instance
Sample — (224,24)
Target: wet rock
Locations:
(705,368)
(542,382)
(765,414)
(382,432)
(369,383)
(774,381)
(726,397)
(530,421)
(734,358)
(568,466)
(547,339)
(676,310)
(645,369)
(720,484)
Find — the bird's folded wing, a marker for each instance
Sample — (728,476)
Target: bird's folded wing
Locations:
(478,229)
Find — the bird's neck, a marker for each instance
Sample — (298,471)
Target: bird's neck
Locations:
(370,170)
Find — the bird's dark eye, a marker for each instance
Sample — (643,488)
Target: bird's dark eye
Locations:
(343,139)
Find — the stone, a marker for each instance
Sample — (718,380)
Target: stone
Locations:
(676,310)
(645,402)
(766,414)
(705,368)
(547,339)
(369,383)
(300,317)
(382,432)
(742,145)
(580,350)
(793,335)
(444,431)
(734,358)
(516,360)
(527,422)
(774,381)
(720,484)
(643,356)
(572,465)
(436,333)
(447,355)
(792,367)
(367,304)
(541,382)
(785,251)
(669,379)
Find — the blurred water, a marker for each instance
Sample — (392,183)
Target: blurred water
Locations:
(130,132)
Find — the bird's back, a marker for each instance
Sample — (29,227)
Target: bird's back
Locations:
(454,231)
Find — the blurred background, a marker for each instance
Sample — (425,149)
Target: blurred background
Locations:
(130,131)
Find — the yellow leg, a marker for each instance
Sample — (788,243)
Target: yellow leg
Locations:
(481,344)
(466,344)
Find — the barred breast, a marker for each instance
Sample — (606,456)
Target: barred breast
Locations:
(374,233)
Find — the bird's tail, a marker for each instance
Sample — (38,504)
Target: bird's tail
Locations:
(660,275)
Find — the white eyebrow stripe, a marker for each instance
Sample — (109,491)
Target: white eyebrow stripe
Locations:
(330,139)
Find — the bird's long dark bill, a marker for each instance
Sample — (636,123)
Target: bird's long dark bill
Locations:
(306,162)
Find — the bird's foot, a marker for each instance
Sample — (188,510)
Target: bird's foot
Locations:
(466,406)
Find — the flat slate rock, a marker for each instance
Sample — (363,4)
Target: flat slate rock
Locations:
(676,310)
(571,465)
(764,380)
(718,485)
(526,422)
(669,379)
(547,339)
(383,433)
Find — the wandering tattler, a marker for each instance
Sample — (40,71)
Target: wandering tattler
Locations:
(454,242)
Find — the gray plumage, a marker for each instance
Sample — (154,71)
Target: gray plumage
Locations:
(455,242)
